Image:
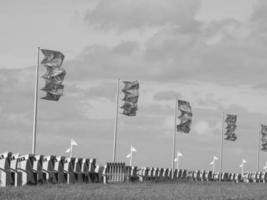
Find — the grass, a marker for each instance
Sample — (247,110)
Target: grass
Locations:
(143,191)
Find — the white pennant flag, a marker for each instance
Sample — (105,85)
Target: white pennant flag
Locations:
(68,150)
(133,149)
(73,143)
(215,158)
(128,156)
(244,161)
(179,154)
(212,163)
(176,160)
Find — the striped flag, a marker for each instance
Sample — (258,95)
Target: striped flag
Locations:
(230,121)
(185,116)
(263,137)
(131,95)
(54,75)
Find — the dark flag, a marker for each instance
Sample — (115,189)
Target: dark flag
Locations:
(51,97)
(131,95)
(130,85)
(52,58)
(264,137)
(230,121)
(54,75)
(185,116)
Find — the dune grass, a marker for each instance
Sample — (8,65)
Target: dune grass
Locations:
(144,191)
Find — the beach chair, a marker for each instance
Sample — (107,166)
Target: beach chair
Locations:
(25,166)
(141,173)
(69,170)
(92,167)
(263,177)
(78,170)
(38,169)
(85,170)
(49,169)
(59,169)
(16,176)
(189,175)
(5,172)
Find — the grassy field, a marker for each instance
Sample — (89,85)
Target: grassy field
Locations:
(145,191)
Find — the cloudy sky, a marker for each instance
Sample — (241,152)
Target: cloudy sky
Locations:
(209,52)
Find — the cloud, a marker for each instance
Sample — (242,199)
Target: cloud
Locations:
(224,51)
(204,128)
(127,14)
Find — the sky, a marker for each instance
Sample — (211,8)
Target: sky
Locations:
(208,52)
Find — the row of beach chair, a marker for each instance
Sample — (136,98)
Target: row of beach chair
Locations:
(165,174)
(18,170)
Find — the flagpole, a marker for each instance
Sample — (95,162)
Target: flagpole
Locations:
(131,159)
(116,122)
(177,161)
(221,168)
(70,150)
(258,156)
(174,138)
(35,104)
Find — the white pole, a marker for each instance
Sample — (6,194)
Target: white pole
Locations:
(131,159)
(177,162)
(70,150)
(35,104)
(116,122)
(258,155)
(221,169)
(174,137)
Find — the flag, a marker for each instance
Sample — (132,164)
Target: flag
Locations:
(68,150)
(133,149)
(130,85)
(179,154)
(176,160)
(54,75)
(129,105)
(53,89)
(212,162)
(185,116)
(51,97)
(73,143)
(131,95)
(128,156)
(131,112)
(130,98)
(244,161)
(56,72)
(52,58)
(230,121)
(215,158)
(264,137)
